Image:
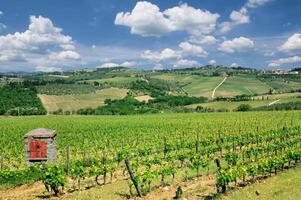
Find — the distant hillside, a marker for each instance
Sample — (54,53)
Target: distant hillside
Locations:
(73,90)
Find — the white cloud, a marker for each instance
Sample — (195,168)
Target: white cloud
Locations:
(170,55)
(240,44)
(158,66)
(293,43)
(128,64)
(225,27)
(166,54)
(192,20)
(112,64)
(240,17)
(237,18)
(208,40)
(234,65)
(283,61)
(48,69)
(1,13)
(186,63)
(212,62)
(255,3)
(108,65)
(42,44)
(93,46)
(190,49)
(146,19)
(64,55)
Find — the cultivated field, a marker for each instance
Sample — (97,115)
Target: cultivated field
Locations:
(74,102)
(237,85)
(165,150)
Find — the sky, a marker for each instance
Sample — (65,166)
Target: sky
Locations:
(59,35)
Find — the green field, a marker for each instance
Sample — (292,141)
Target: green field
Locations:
(141,139)
(75,102)
(237,85)
(231,105)
(202,86)
(219,105)
(283,186)
(284,86)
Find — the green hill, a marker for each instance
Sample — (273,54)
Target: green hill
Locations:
(73,90)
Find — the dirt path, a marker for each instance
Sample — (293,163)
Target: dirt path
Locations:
(195,189)
(213,92)
(274,102)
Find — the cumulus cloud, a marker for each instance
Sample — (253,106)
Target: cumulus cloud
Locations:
(48,69)
(109,65)
(42,44)
(240,44)
(64,55)
(241,16)
(146,19)
(190,49)
(208,40)
(186,63)
(293,43)
(166,54)
(212,62)
(237,18)
(255,3)
(283,61)
(112,64)
(234,65)
(128,64)
(170,55)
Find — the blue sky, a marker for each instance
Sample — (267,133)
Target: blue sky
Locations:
(54,35)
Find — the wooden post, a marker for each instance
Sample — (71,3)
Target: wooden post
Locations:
(218,164)
(1,163)
(68,159)
(85,152)
(165,146)
(128,166)
(197,143)
(104,163)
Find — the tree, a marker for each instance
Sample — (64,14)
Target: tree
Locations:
(244,108)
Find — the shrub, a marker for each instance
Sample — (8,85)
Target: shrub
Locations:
(244,108)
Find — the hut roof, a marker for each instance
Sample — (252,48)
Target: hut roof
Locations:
(41,133)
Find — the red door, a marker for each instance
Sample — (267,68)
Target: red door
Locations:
(38,150)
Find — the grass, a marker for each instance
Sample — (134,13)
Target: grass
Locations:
(281,85)
(174,77)
(231,105)
(202,86)
(283,186)
(75,102)
(237,85)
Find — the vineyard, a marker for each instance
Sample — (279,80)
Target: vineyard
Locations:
(161,150)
